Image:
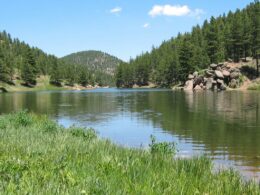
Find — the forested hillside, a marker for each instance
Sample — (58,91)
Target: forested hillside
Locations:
(232,36)
(94,60)
(101,64)
(19,61)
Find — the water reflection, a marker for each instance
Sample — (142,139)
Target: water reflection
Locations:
(224,125)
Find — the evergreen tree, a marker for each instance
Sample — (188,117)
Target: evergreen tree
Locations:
(29,70)
(256,33)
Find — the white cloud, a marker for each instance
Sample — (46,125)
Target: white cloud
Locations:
(169,10)
(146,25)
(116,10)
(175,10)
(197,13)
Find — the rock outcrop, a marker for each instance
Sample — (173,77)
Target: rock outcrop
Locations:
(216,77)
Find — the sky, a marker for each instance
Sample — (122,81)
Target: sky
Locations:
(124,28)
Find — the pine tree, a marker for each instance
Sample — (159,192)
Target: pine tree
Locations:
(4,70)
(237,35)
(185,56)
(256,33)
(28,72)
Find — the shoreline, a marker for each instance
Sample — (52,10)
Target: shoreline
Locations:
(84,162)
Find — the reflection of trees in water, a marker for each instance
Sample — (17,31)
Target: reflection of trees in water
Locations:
(221,121)
(75,105)
(226,121)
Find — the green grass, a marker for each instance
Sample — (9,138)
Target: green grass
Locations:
(37,156)
(43,84)
(254,86)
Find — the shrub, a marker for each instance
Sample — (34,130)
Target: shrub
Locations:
(87,134)
(162,147)
(22,118)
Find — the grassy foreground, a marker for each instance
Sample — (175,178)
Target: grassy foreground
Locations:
(39,157)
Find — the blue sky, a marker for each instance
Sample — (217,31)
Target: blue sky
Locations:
(124,28)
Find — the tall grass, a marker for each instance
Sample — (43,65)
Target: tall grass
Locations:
(37,156)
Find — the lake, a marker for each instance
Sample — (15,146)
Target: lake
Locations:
(223,125)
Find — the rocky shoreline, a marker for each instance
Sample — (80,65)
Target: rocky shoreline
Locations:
(217,77)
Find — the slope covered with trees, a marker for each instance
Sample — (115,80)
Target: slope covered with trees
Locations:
(94,60)
(19,61)
(101,64)
(228,37)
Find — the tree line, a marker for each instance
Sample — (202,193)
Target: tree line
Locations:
(19,61)
(228,37)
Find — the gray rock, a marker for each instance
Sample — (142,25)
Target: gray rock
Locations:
(221,82)
(221,64)
(234,75)
(190,77)
(234,70)
(213,66)
(197,88)
(233,84)
(189,85)
(219,74)
(209,73)
(226,73)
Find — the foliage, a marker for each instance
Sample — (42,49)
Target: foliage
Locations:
(59,161)
(99,64)
(233,36)
(20,61)
(162,147)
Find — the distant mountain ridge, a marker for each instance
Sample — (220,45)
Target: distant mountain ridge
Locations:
(94,60)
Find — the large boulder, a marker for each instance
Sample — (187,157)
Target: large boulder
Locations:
(234,75)
(189,85)
(226,73)
(233,84)
(219,74)
(190,77)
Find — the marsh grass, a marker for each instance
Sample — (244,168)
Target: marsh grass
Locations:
(37,156)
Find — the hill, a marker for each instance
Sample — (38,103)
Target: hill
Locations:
(94,60)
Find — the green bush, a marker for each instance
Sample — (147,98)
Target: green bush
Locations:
(162,147)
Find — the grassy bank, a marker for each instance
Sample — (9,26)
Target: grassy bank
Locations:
(39,157)
(43,83)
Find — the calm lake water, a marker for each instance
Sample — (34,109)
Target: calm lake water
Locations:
(224,125)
